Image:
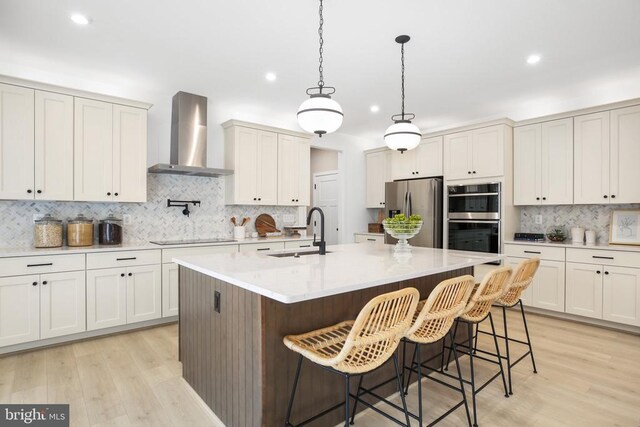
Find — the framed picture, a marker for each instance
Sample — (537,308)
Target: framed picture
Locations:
(625,227)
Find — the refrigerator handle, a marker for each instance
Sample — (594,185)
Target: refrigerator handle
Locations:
(408,207)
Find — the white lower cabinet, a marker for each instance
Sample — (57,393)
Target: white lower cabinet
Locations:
(584,289)
(19,309)
(548,287)
(106,298)
(368,238)
(170,289)
(144,293)
(621,295)
(62,304)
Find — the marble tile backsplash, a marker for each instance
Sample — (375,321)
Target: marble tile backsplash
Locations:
(149,221)
(589,217)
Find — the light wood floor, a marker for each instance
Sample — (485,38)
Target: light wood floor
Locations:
(588,376)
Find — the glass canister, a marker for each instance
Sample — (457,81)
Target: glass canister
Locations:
(47,232)
(80,231)
(110,231)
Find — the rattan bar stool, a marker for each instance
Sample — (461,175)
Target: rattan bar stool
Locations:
(354,348)
(432,323)
(478,309)
(520,281)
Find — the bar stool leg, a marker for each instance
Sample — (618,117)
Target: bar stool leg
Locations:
(413,360)
(455,332)
(347,377)
(473,380)
(355,405)
(526,330)
(404,401)
(495,341)
(444,343)
(293,392)
(464,395)
(475,344)
(418,363)
(506,342)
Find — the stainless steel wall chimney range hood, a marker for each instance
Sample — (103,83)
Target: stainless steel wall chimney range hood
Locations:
(188,138)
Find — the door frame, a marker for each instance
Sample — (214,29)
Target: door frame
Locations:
(314,197)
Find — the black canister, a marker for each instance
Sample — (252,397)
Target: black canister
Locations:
(110,231)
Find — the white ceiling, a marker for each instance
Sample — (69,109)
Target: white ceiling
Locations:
(465,62)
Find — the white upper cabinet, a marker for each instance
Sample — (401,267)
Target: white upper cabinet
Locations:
(423,161)
(625,155)
(129,154)
(53,146)
(16,142)
(591,158)
(478,153)
(378,166)
(294,169)
(543,163)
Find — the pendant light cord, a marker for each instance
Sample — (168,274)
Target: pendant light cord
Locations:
(402,68)
(320,50)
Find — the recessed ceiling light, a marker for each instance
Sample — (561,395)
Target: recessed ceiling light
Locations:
(80,19)
(533,59)
(271,77)
(374,108)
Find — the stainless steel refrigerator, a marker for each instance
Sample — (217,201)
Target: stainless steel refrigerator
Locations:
(417,196)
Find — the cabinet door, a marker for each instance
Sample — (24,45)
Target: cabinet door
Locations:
(625,155)
(288,170)
(584,290)
(246,166)
(428,157)
(170,306)
(557,162)
(591,158)
(303,179)
(106,298)
(548,286)
(129,154)
(376,166)
(527,295)
(16,142)
(527,143)
(457,156)
(19,309)
(62,304)
(144,293)
(621,295)
(267,184)
(53,146)
(488,152)
(403,164)
(93,150)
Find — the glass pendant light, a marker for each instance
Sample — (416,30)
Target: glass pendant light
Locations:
(402,135)
(320,114)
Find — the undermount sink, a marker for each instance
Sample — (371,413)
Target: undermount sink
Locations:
(296,254)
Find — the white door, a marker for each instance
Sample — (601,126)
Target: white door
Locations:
(428,157)
(625,155)
(170,305)
(403,164)
(376,166)
(584,290)
(548,286)
(106,298)
(16,142)
(326,196)
(267,168)
(144,293)
(621,295)
(93,150)
(129,154)
(591,158)
(19,309)
(246,166)
(488,152)
(527,143)
(457,155)
(53,146)
(557,162)
(62,304)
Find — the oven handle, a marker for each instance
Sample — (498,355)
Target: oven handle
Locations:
(467,221)
(474,194)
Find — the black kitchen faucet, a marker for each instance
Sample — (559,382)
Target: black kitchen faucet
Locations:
(322,245)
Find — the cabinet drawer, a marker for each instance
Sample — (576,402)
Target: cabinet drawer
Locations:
(123,259)
(367,238)
(16,266)
(169,254)
(604,257)
(262,247)
(298,244)
(531,251)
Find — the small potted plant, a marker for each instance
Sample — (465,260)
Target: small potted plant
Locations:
(402,227)
(556,234)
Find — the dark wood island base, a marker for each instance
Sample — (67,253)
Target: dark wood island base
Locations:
(232,352)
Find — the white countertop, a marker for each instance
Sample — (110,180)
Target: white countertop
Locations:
(346,268)
(599,246)
(135,246)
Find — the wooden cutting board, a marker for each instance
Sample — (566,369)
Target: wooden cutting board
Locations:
(265,224)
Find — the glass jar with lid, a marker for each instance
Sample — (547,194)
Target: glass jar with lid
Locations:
(80,231)
(47,232)
(110,231)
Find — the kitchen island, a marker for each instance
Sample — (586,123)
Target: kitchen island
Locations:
(236,308)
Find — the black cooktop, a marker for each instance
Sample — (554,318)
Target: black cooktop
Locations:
(190,241)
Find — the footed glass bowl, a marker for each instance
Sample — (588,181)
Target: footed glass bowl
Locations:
(403,232)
